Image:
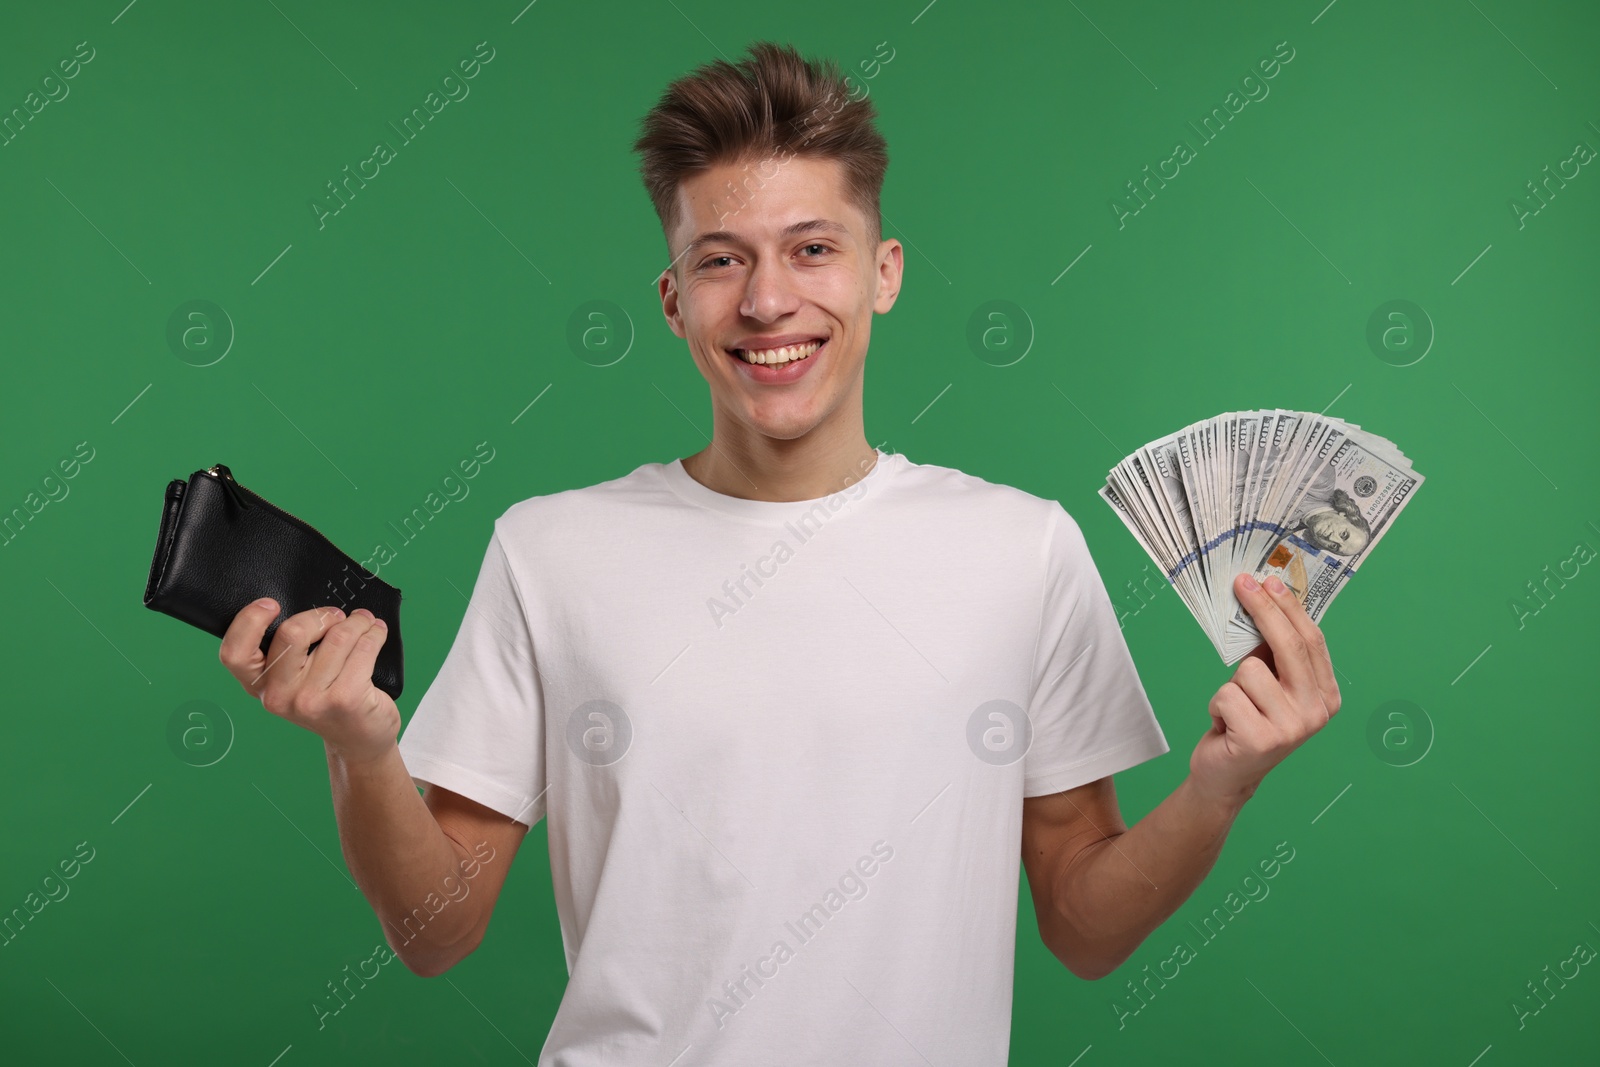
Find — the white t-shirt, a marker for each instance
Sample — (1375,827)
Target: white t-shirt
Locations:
(782,750)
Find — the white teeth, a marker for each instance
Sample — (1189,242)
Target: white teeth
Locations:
(781,355)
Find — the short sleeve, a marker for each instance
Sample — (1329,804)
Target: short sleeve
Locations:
(1089,711)
(479,728)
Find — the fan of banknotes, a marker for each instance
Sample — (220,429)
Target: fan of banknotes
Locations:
(1302,496)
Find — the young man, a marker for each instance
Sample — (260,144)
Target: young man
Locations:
(792,706)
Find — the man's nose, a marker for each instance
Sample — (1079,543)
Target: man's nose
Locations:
(769,292)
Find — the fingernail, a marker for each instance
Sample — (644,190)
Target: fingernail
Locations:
(363,611)
(1250,582)
(266,602)
(380,624)
(1275,585)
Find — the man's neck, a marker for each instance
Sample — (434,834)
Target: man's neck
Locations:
(781,470)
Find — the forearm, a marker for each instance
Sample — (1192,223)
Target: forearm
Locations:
(400,858)
(1114,892)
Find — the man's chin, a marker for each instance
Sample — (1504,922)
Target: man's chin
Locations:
(785,425)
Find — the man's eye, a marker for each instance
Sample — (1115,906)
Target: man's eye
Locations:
(712,261)
(821,246)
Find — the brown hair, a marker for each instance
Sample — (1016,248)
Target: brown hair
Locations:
(773,103)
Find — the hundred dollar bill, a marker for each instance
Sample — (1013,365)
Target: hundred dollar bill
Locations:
(1329,528)
(1302,496)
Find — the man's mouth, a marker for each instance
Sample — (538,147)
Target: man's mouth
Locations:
(786,354)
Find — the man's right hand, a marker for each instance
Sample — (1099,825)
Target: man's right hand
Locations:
(328,691)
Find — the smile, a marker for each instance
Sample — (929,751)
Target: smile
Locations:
(786,354)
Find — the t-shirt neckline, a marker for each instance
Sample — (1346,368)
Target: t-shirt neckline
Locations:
(684,485)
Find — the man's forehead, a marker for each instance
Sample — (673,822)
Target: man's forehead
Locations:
(748,201)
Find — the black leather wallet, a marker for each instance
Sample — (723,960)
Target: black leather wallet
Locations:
(222,546)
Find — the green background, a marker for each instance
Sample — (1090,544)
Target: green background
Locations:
(365,358)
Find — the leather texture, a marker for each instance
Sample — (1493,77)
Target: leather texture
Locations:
(222,546)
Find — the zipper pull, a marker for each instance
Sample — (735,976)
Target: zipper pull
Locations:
(232,487)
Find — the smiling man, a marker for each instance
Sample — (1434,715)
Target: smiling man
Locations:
(790,831)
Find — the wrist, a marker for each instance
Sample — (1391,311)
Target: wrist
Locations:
(1223,804)
(359,762)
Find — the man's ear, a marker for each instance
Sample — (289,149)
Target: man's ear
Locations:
(667,287)
(891,272)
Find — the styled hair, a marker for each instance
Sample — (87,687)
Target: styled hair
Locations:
(772,104)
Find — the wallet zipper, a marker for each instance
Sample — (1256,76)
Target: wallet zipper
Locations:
(234,489)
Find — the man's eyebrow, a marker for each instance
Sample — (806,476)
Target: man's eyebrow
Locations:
(791,230)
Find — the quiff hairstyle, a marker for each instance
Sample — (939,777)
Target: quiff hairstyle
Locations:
(774,104)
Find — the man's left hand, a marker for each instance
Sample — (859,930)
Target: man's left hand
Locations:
(1281,693)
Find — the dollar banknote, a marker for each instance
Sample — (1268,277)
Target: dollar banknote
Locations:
(1302,496)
